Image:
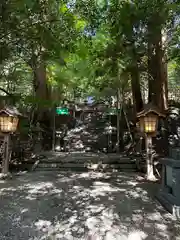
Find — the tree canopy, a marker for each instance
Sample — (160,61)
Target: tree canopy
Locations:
(51,49)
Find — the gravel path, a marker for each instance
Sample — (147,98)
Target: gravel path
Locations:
(67,205)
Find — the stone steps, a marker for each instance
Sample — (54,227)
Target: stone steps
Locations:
(80,162)
(85,170)
(91,138)
(88,160)
(89,166)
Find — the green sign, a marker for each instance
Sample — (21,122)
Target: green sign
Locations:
(62,111)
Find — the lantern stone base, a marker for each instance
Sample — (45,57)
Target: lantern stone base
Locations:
(169,194)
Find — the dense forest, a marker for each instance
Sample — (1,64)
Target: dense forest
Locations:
(55,49)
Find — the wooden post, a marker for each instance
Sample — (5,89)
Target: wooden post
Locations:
(110,136)
(74,111)
(118,119)
(54,129)
(5,163)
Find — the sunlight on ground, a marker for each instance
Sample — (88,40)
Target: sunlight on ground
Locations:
(41,189)
(97,231)
(137,235)
(84,206)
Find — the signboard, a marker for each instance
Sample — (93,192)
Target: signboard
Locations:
(90,100)
(62,111)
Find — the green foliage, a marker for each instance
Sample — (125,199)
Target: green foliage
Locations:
(174,74)
(89,46)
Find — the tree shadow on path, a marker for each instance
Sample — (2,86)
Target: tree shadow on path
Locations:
(70,205)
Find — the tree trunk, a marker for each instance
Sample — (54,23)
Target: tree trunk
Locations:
(157,69)
(151,73)
(136,89)
(164,74)
(161,90)
(40,84)
(42,96)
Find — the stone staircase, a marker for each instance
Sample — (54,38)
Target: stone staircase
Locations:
(85,162)
(90,137)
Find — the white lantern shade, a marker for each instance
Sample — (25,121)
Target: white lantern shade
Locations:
(8,124)
(148,123)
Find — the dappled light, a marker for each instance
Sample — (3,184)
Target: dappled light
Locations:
(90,136)
(89,205)
(97,90)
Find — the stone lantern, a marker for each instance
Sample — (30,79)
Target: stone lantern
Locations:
(148,119)
(9,118)
(148,122)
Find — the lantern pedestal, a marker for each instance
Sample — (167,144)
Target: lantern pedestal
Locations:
(9,118)
(149,159)
(148,122)
(6,155)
